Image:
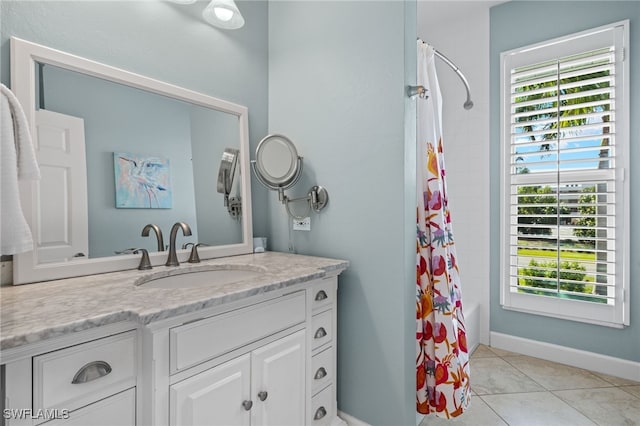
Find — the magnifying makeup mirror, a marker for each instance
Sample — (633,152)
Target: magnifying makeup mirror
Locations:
(278,167)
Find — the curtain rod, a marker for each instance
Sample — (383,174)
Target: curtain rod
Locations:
(468,103)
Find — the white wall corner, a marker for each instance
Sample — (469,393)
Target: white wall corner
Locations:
(574,357)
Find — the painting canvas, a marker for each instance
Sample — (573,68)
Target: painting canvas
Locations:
(142,181)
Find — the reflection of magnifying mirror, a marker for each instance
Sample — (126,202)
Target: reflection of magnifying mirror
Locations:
(277,165)
(226,175)
(227,170)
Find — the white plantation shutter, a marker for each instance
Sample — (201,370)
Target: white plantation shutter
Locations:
(565,136)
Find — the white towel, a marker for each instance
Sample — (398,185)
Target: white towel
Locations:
(17,161)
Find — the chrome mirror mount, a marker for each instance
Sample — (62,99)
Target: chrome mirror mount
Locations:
(279,167)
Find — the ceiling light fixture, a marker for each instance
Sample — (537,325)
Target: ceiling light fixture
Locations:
(223,14)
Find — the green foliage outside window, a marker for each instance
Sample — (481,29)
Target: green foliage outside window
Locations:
(547,276)
(586,207)
(537,205)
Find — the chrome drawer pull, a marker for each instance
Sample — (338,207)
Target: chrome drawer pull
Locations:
(91,371)
(321,295)
(247,405)
(320,413)
(320,333)
(321,373)
(262,395)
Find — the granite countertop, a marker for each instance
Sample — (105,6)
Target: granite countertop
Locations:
(34,312)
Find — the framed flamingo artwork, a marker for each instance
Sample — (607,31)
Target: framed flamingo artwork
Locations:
(142,181)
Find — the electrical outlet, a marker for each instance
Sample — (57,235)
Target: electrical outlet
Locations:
(302,224)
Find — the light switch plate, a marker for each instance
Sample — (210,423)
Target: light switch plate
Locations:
(302,224)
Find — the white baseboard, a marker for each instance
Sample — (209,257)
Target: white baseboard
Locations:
(351,421)
(575,357)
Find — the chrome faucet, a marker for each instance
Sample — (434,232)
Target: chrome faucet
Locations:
(172,259)
(158,231)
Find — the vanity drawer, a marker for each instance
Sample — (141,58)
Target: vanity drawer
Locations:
(77,376)
(117,410)
(323,293)
(322,370)
(321,329)
(193,343)
(323,407)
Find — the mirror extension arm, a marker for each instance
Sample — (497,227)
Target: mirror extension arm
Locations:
(277,172)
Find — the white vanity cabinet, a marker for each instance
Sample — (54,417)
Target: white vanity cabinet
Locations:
(264,382)
(270,360)
(263,387)
(258,360)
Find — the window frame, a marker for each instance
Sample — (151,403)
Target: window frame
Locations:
(616,315)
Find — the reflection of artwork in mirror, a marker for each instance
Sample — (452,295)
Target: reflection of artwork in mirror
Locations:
(142,181)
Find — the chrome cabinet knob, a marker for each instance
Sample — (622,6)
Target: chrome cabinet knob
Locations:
(262,395)
(321,373)
(320,333)
(321,295)
(320,413)
(247,405)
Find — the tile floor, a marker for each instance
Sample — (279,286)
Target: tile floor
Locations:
(518,390)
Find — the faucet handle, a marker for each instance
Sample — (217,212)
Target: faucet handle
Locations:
(145,263)
(186,245)
(194,257)
(126,251)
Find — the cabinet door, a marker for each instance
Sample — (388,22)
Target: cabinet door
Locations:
(214,397)
(277,382)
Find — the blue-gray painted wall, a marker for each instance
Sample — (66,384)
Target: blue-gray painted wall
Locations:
(337,76)
(162,40)
(520,23)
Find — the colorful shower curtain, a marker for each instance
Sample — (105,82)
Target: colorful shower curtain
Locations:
(442,359)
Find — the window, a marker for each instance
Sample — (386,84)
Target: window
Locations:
(565,138)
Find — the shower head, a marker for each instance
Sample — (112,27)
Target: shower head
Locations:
(468,104)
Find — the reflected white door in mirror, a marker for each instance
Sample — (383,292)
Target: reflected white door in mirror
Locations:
(119,151)
(62,210)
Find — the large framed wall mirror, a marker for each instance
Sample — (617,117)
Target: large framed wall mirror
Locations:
(118,151)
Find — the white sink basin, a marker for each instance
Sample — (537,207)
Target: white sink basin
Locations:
(200,278)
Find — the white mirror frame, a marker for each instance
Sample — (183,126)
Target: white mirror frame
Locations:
(24,56)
